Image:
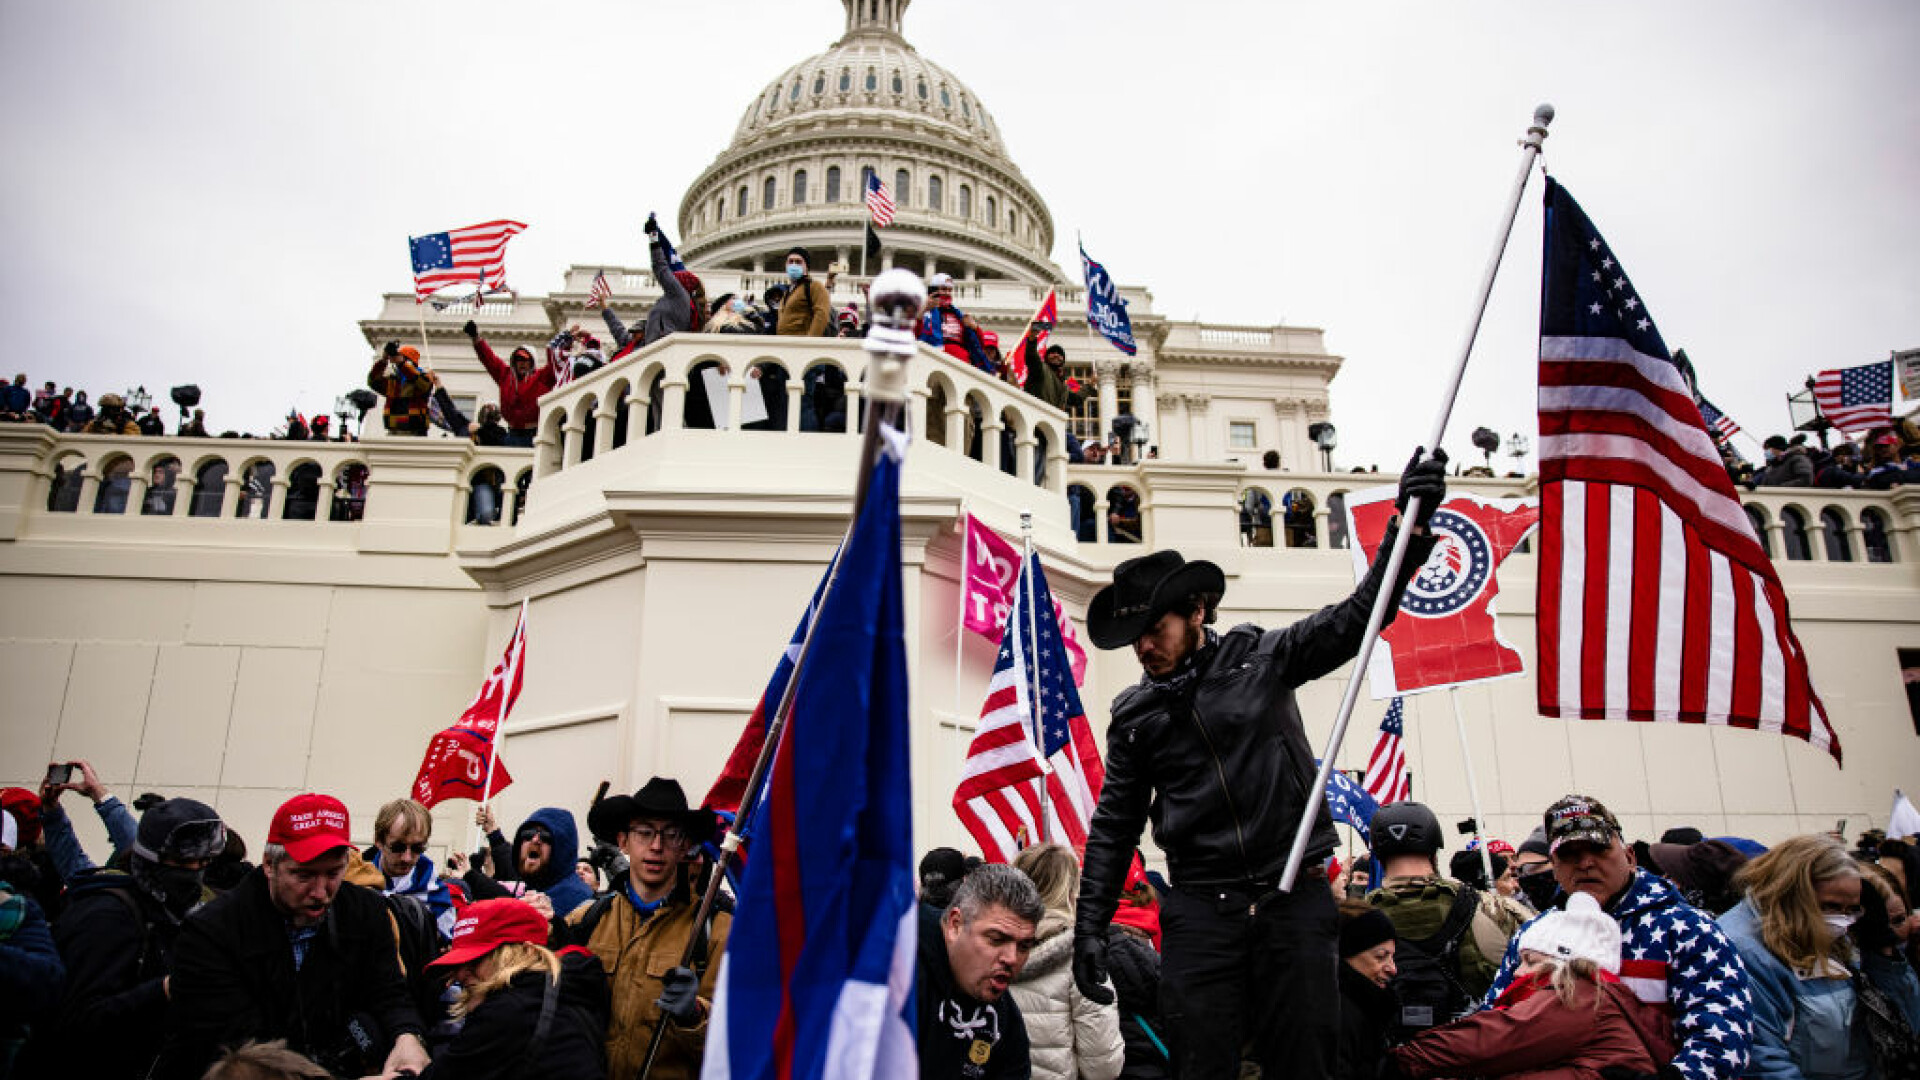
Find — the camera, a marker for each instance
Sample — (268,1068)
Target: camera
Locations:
(60,774)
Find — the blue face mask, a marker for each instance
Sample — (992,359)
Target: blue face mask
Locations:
(795,271)
(739,307)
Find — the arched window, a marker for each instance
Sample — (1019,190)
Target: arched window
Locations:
(866,181)
(483,496)
(993,212)
(349,492)
(740,207)
(1758,519)
(819,84)
(1794,534)
(1256,518)
(1123,515)
(767,191)
(933,194)
(873,81)
(966,201)
(899,87)
(902,187)
(1833,524)
(1873,531)
(1080,509)
(946,99)
(116,481)
(209,486)
(1297,518)
(1337,521)
(1013,221)
(800,187)
(795,95)
(303,492)
(256,490)
(833,183)
(846,80)
(922,89)
(163,487)
(719,207)
(966,108)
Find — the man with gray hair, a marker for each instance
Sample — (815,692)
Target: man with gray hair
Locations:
(969,955)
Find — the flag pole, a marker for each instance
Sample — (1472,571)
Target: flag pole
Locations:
(960,625)
(1035,728)
(1530,151)
(500,720)
(1473,786)
(894,302)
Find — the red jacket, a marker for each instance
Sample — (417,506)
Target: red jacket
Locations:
(519,398)
(1530,1034)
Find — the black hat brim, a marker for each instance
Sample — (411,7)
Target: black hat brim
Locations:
(1109,631)
(612,815)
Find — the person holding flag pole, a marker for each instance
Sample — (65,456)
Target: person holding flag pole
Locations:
(1033,634)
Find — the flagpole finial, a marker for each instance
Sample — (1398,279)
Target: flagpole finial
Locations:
(893,304)
(1537,132)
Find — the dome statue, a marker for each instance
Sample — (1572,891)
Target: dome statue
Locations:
(796,170)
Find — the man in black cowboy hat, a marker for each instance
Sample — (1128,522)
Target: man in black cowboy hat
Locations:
(1210,748)
(641,931)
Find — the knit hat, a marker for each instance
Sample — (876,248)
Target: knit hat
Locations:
(1582,931)
(1364,931)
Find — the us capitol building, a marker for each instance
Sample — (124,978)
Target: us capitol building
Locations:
(240,621)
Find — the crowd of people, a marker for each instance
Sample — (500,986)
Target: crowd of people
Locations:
(65,409)
(1886,457)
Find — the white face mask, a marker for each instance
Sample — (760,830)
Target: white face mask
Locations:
(1838,924)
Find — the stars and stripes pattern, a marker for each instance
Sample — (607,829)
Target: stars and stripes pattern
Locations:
(1856,398)
(476,253)
(1719,425)
(1013,794)
(1655,600)
(599,292)
(1388,780)
(879,200)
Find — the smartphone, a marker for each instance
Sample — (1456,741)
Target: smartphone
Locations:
(1840,828)
(60,774)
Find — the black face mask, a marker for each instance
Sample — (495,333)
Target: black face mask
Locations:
(18,870)
(1539,888)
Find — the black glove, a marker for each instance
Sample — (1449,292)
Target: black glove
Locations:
(1090,968)
(471,329)
(652,227)
(1426,479)
(680,996)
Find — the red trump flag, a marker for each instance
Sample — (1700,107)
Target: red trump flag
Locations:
(460,760)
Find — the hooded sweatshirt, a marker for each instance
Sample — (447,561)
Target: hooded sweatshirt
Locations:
(556,879)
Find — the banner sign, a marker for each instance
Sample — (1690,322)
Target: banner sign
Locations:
(990,573)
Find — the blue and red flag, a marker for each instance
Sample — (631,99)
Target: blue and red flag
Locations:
(818,974)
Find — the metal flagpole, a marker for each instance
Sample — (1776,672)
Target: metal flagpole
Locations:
(514,650)
(1037,729)
(1530,150)
(1473,787)
(894,302)
(960,625)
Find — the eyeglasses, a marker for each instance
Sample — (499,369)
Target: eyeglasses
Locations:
(645,835)
(397,848)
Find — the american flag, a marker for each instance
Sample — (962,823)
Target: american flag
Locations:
(460,256)
(1388,780)
(1655,601)
(599,292)
(1856,398)
(879,200)
(999,798)
(1719,425)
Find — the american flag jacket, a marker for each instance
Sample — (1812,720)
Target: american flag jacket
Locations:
(1674,955)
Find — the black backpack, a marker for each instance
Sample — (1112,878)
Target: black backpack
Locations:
(1428,984)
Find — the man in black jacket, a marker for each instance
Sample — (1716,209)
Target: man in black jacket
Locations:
(970,954)
(1209,746)
(116,938)
(293,952)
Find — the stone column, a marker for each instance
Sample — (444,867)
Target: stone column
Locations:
(957,426)
(674,407)
(917,412)
(230,498)
(137,494)
(603,424)
(89,490)
(637,403)
(1199,436)
(571,438)
(1023,445)
(277,501)
(1169,411)
(796,400)
(1107,374)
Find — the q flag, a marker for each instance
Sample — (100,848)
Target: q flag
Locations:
(461,256)
(1446,634)
(1106,312)
(817,980)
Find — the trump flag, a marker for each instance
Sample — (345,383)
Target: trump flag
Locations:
(818,973)
(1445,634)
(990,575)
(457,759)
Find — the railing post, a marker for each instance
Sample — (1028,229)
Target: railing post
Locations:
(636,415)
(571,438)
(604,419)
(230,493)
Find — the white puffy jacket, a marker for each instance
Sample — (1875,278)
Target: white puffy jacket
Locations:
(1070,1036)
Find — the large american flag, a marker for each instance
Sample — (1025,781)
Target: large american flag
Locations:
(461,256)
(1655,600)
(1856,398)
(999,798)
(1388,780)
(879,200)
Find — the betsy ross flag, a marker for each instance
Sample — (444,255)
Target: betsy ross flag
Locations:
(1000,798)
(817,980)
(879,200)
(1388,780)
(1856,398)
(1654,599)
(599,292)
(475,255)
(457,759)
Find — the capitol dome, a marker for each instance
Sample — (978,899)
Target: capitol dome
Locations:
(795,172)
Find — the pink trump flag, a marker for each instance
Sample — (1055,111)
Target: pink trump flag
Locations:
(991,573)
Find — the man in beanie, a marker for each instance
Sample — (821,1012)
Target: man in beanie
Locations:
(396,375)
(640,931)
(1676,958)
(117,938)
(294,952)
(1210,747)
(806,310)
(522,383)
(1451,935)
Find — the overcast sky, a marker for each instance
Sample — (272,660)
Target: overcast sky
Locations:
(217,191)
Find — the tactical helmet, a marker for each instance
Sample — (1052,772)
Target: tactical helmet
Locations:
(1405,828)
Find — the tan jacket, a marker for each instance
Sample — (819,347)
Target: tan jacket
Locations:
(806,311)
(637,953)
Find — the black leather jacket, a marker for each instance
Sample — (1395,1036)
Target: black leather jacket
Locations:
(1223,768)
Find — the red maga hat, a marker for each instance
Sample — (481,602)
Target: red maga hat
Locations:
(309,826)
(488,924)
